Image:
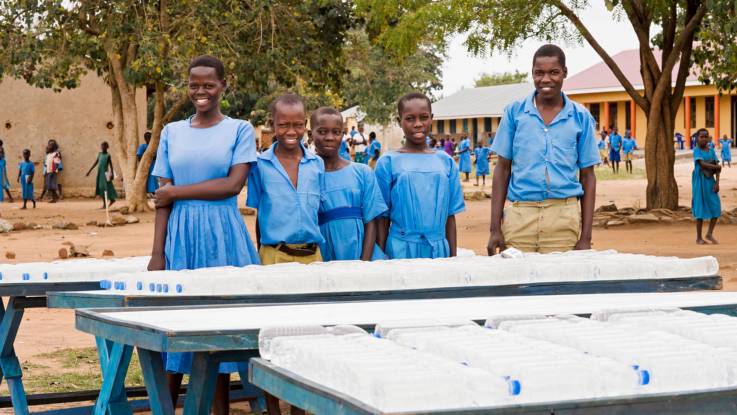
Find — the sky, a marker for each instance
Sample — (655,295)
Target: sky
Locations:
(462,68)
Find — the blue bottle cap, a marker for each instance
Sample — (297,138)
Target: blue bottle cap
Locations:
(158,288)
(104,284)
(515,387)
(180,288)
(1,276)
(46,275)
(644,377)
(139,285)
(26,276)
(151,287)
(166,288)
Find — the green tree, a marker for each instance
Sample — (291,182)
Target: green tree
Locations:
(504,78)
(375,77)
(666,58)
(134,44)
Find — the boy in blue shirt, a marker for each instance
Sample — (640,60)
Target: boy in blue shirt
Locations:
(546,151)
(629,145)
(285,188)
(603,153)
(373,151)
(615,146)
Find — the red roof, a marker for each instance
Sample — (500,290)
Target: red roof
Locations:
(600,76)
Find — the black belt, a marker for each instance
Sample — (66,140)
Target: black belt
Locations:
(307,250)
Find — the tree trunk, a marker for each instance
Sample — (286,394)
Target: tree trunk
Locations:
(662,189)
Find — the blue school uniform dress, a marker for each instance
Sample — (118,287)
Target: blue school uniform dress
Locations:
(4,182)
(421,191)
(482,160)
(287,214)
(615,145)
(726,150)
(343,151)
(546,159)
(26,169)
(205,233)
(151,183)
(705,203)
(350,199)
(464,156)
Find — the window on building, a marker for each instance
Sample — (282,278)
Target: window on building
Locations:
(487,124)
(709,112)
(441,126)
(594,110)
(612,115)
(692,104)
(628,115)
(465,125)
(452,126)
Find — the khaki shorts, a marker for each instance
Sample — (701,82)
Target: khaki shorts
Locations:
(553,225)
(270,255)
(627,156)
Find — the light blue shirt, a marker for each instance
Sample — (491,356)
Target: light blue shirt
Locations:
(373,147)
(629,144)
(285,213)
(546,159)
(615,142)
(602,145)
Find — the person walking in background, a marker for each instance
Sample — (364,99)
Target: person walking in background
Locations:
(4,181)
(105,174)
(603,150)
(726,144)
(59,168)
(359,145)
(151,183)
(373,151)
(51,170)
(481,154)
(26,171)
(448,147)
(464,157)
(615,147)
(629,145)
(705,203)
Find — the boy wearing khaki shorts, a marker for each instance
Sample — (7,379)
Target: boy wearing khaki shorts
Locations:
(546,151)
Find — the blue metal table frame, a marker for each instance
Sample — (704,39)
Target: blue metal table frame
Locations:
(23,295)
(209,347)
(318,399)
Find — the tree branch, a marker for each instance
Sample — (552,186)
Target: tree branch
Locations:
(567,12)
(641,24)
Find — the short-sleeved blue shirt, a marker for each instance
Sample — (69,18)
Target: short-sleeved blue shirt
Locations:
(285,213)
(546,158)
(615,141)
(628,145)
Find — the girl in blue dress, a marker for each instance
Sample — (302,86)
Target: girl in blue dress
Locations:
(726,144)
(464,157)
(26,171)
(422,189)
(4,181)
(202,163)
(351,199)
(482,163)
(705,203)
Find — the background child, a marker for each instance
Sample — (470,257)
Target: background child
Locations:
(4,181)
(26,172)
(373,150)
(603,153)
(629,145)
(421,187)
(105,174)
(151,183)
(351,199)
(51,170)
(726,143)
(285,188)
(705,203)
(482,162)
(615,146)
(464,157)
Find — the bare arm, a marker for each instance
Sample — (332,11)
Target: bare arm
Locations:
(92,168)
(499,188)
(710,167)
(369,240)
(215,189)
(451,235)
(382,232)
(161,220)
(588,182)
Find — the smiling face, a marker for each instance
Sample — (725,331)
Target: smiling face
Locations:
(415,121)
(328,134)
(703,139)
(548,75)
(289,121)
(205,88)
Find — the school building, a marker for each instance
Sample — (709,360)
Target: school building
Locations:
(478,110)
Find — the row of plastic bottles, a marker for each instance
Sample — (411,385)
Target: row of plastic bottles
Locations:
(354,276)
(86,269)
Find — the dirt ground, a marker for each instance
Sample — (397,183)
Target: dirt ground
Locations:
(45,331)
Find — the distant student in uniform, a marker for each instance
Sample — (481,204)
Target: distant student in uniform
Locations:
(705,203)
(351,199)
(52,162)
(345,150)
(151,183)
(481,159)
(464,157)
(4,181)
(26,171)
(202,163)
(546,147)
(285,188)
(615,147)
(421,187)
(726,144)
(105,174)
(603,152)
(373,151)
(629,145)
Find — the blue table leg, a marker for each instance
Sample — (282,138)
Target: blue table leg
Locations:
(9,365)
(258,405)
(201,389)
(153,375)
(114,361)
